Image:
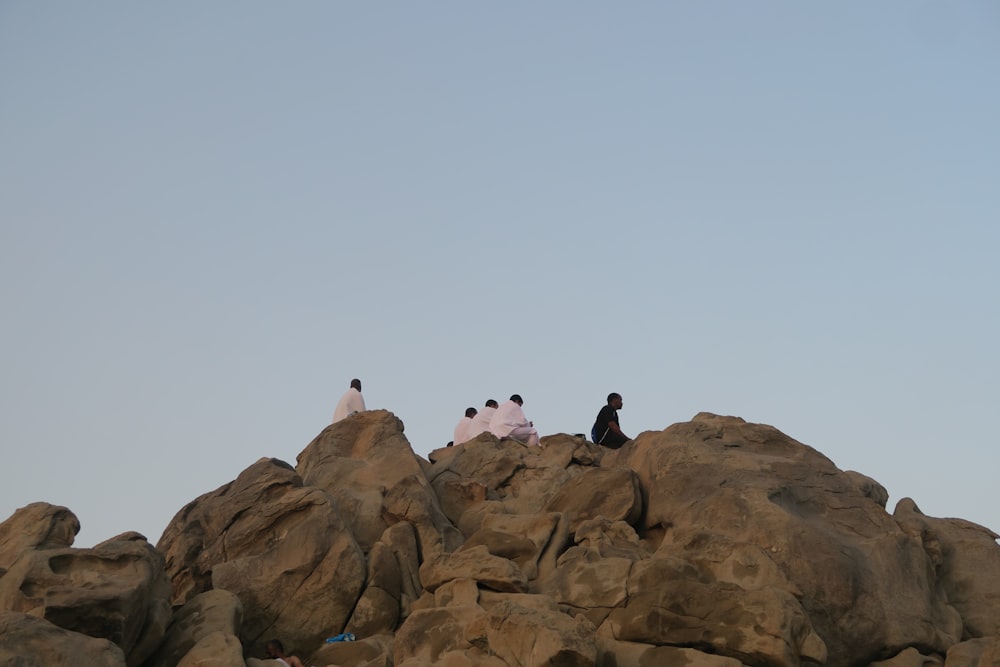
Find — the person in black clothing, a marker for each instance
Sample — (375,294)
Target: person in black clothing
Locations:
(606,430)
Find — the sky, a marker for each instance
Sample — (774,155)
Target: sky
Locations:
(214,215)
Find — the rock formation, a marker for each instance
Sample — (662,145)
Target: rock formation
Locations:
(712,543)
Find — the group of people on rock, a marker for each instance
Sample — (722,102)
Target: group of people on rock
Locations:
(503,421)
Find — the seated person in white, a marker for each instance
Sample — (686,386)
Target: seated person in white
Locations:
(350,402)
(481,422)
(463,426)
(509,422)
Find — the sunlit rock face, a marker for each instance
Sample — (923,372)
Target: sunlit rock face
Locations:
(712,543)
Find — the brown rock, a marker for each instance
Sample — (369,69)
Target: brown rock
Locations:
(611,539)
(910,657)
(216,649)
(866,586)
(430,633)
(539,635)
(669,604)
(361,653)
(632,654)
(36,526)
(589,582)
(524,539)
(116,591)
(209,613)
(966,559)
(27,641)
(984,652)
(281,547)
(366,463)
(610,493)
(477,564)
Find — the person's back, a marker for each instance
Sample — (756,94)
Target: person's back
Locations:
(461,433)
(509,422)
(481,422)
(351,402)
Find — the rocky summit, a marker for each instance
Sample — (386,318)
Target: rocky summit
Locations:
(712,543)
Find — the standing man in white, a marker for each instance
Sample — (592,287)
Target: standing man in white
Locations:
(350,402)
(509,422)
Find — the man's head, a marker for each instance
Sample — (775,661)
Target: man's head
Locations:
(356,384)
(615,400)
(470,412)
(517,399)
(492,404)
(274,649)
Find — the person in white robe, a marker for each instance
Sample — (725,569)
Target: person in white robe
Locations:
(481,422)
(350,402)
(509,422)
(462,427)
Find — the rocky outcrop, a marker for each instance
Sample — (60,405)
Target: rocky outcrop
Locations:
(367,465)
(712,543)
(281,547)
(116,591)
(28,641)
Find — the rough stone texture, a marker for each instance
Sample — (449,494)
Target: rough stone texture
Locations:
(966,562)
(588,582)
(117,591)
(714,543)
(281,547)
(216,649)
(209,613)
(983,652)
(613,653)
(36,526)
(478,564)
(539,634)
(669,603)
(353,654)
(531,541)
(754,485)
(366,463)
(428,634)
(611,493)
(910,657)
(27,641)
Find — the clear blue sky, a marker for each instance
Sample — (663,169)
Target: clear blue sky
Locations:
(213,216)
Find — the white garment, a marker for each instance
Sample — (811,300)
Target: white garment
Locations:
(461,431)
(526,434)
(480,423)
(509,421)
(350,403)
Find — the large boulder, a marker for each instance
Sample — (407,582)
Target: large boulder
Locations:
(393,583)
(280,546)
(36,526)
(28,641)
(966,561)
(866,585)
(366,463)
(612,493)
(982,652)
(117,590)
(670,603)
(207,615)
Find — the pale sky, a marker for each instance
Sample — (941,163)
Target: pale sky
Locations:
(214,215)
